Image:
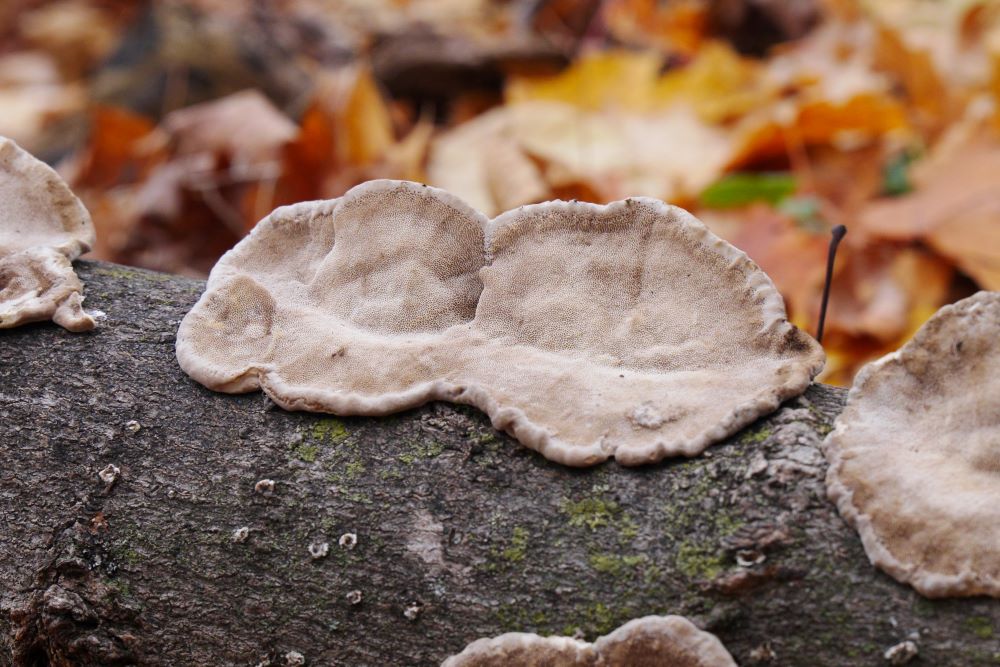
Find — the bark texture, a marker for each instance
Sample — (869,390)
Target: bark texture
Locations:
(461,532)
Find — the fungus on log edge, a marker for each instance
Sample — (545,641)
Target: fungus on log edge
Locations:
(43,226)
(585,331)
(915,456)
(655,641)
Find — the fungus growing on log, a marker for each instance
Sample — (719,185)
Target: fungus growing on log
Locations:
(652,641)
(585,331)
(915,456)
(43,226)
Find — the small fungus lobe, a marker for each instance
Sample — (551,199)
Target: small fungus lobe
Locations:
(264,487)
(354,597)
(749,557)
(902,653)
(319,550)
(43,227)
(652,641)
(915,455)
(412,611)
(240,535)
(584,331)
(646,416)
(109,474)
(348,540)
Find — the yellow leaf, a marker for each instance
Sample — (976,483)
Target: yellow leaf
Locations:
(915,69)
(361,119)
(610,79)
(718,83)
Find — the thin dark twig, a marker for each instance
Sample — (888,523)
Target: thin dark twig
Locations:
(837,234)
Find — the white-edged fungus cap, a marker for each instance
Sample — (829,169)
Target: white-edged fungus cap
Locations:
(43,226)
(915,456)
(585,331)
(652,641)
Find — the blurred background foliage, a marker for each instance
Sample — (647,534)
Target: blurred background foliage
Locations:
(180,123)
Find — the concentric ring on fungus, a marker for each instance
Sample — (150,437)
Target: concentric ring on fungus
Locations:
(915,456)
(585,331)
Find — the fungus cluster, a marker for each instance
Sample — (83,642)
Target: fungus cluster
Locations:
(652,641)
(585,331)
(43,227)
(915,456)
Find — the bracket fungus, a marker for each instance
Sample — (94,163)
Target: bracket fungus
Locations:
(585,331)
(651,641)
(43,226)
(915,456)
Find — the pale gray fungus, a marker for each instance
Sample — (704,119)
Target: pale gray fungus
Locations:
(43,227)
(585,331)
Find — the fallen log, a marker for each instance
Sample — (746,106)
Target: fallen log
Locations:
(146,520)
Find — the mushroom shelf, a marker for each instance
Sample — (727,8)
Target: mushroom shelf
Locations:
(585,331)
(915,456)
(43,226)
(656,641)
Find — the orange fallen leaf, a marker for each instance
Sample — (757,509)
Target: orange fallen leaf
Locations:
(777,132)
(954,208)
(308,159)
(930,101)
(677,27)
(881,295)
(358,113)
(115,152)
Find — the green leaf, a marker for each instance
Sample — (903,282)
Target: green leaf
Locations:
(896,174)
(805,211)
(744,188)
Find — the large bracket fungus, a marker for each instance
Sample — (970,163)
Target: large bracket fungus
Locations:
(43,226)
(915,456)
(652,641)
(585,331)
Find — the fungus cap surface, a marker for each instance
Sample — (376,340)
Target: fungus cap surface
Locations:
(915,456)
(585,331)
(43,226)
(652,641)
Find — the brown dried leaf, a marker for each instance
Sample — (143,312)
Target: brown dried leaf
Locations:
(244,128)
(955,207)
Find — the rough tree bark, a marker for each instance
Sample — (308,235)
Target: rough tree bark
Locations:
(472,533)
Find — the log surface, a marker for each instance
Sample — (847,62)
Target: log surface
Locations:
(461,532)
